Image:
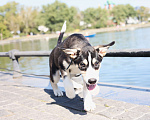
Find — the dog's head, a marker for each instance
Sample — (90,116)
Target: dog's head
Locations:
(88,59)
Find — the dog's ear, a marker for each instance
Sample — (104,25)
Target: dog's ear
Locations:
(73,53)
(101,49)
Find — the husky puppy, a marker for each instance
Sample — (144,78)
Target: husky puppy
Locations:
(73,57)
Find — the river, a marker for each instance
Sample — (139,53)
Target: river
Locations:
(120,70)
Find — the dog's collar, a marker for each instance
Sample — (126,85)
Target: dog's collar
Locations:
(69,65)
(77,75)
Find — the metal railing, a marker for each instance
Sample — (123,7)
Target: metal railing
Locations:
(14,55)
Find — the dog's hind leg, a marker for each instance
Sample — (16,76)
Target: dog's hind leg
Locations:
(56,78)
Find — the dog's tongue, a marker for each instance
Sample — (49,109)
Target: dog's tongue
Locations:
(91,87)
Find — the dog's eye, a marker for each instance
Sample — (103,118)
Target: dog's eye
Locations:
(82,66)
(96,64)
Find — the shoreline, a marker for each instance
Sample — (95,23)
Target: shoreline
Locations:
(89,31)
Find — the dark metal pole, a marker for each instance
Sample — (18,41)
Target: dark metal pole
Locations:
(15,54)
(110,53)
(15,64)
(129,53)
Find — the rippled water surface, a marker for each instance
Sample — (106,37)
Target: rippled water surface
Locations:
(127,71)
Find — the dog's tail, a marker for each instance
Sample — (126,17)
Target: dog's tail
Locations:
(61,33)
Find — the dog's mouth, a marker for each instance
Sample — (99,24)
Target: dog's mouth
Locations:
(90,87)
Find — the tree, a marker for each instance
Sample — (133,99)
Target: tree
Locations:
(96,16)
(10,15)
(27,20)
(101,17)
(53,15)
(130,11)
(143,13)
(121,12)
(19,18)
(4,33)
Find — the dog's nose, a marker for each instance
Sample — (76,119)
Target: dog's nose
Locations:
(92,80)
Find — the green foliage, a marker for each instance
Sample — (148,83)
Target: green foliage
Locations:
(28,20)
(130,11)
(14,17)
(143,13)
(121,12)
(96,16)
(10,12)
(4,31)
(53,16)
(101,17)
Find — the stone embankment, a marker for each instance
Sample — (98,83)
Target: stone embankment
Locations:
(85,32)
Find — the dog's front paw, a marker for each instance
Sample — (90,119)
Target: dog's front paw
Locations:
(89,106)
(58,92)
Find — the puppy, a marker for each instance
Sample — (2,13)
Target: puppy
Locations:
(74,57)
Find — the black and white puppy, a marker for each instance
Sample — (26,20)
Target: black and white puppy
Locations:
(72,57)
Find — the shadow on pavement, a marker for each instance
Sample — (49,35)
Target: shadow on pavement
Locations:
(74,105)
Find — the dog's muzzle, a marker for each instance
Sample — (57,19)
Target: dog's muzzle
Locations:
(91,84)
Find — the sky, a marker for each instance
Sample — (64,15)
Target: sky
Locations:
(81,4)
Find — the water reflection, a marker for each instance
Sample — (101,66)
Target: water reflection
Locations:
(128,71)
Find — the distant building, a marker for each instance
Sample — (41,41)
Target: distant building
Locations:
(109,4)
(131,20)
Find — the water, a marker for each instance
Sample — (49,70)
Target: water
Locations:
(126,70)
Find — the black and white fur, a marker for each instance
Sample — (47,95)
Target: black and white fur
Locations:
(72,57)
